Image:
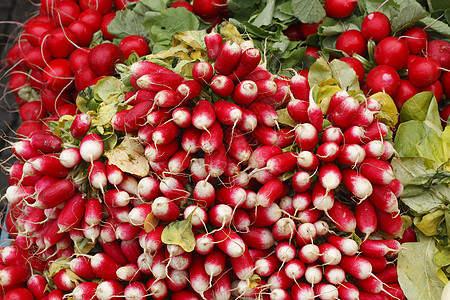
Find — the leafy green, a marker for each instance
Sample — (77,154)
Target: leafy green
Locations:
(308,11)
(410,12)
(344,74)
(417,273)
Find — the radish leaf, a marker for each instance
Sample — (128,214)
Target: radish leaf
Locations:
(417,274)
(179,233)
(308,11)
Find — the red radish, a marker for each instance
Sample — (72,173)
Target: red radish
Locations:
(352,41)
(269,192)
(188,90)
(265,114)
(392,51)
(212,139)
(81,266)
(228,57)
(173,189)
(389,223)
(80,126)
(203,115)
(165,133)
(384,199)
(57,75)
(24,150)
(248,61)
(168,98)
(306,136)
(322,199)
(245,92)
(37,285)
(383,78)
(306,232)
(258,238)
(265,216)
(55,194)
(423,72)
(344,113)
(396,187)
(307,160)
(213,42)
(134,44)
(416,38)
(302,290)
(60,42)
(340,8)
(91,147)
(72,213)
(97,175)
(14,275)
(439,50)
(301,181)
(329,176)
(243,266)
(356,183)
(222,85)
(356,266)
(285,251)
(165,209)
(202,72)
(377,171)
(328,151)
(108,289)
(19,293)
(375,26)
(313,274)
(63,281)
(160,153)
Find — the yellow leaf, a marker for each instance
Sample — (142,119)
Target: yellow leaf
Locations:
(129,157)
(389,113)
(324,91)
(179,233)
(430,222)
(150,223)
(230,32)
(284,118)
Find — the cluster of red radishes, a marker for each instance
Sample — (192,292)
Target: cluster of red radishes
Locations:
(412,51)
(234,205)
(51,60)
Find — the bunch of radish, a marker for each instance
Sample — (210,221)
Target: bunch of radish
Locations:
(57,54)
(234,204)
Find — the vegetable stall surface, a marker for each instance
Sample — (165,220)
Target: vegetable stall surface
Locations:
(216,167)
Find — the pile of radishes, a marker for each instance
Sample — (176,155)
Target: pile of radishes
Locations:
(232,204)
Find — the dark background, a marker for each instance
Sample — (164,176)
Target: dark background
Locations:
(13,13)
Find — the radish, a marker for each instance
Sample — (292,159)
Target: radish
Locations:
(237,145)
(306,136)
(423,72)
(339,8)
(313,274)
(392,51)
(356,266)
(376,171)
(227,113)
(222,85)
(211,139)
(383,78)
(416,38)
(228,57)
(108,289)
(202,72)
(14,275)
(439,50)
(390,223)
(285,251)
(265,216)
(243,266)
(213,40)
(352,42)
(269,192)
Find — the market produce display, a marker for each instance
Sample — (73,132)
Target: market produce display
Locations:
(221,149)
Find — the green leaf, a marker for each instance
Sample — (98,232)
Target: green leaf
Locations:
(156,5)
(265,17)
(127,22)
(344,74)
(414,170)
(369,6)
(179,233)
(410,12)
(421,107)
(418,139)
(308,11)
(442,28)
(109,90)
(319,72)
(417,272)
(438,5)
(427,201)
(167,23)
